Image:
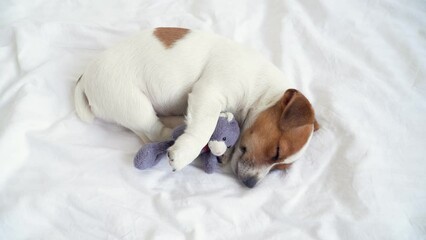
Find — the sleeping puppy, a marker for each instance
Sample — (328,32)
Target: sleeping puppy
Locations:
(176,71)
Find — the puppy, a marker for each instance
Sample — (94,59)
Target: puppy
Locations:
(177,71)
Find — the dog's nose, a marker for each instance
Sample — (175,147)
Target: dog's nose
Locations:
(250,182)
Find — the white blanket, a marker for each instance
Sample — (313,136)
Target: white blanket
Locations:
(361,63)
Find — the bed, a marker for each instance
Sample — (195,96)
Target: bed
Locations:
(362,64)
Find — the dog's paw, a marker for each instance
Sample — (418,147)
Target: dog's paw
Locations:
(179,159)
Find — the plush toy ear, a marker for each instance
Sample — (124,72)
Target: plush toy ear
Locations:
(297,110)
(229,116)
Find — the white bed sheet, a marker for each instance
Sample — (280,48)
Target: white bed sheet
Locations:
(361,63)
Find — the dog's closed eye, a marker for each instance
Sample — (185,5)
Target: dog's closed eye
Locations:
(243,149)
(277,155)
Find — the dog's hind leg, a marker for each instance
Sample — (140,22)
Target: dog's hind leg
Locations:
(138,115)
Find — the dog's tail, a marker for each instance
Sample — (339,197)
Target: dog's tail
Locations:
(82,104)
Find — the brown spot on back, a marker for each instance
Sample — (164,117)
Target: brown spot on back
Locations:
(169,35)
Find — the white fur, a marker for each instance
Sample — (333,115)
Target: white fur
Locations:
(81,106)
(201,76)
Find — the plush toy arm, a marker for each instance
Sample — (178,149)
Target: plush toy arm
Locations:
(178,131)
(209,161)
(150,154)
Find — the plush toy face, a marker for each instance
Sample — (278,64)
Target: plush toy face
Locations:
(225,135)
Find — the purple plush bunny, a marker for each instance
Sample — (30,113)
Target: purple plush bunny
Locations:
(225,136)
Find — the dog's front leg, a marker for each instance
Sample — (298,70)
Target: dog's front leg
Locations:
(203,113)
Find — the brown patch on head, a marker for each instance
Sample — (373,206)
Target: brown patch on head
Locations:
(169,35)
(316,125)
(279,132)
(297,110)
(282,166)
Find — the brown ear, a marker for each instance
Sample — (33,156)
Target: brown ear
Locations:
(297,110)
(316,125)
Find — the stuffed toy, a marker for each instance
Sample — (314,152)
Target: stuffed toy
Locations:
(225,136)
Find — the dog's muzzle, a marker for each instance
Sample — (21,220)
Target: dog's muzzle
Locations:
(246,174)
